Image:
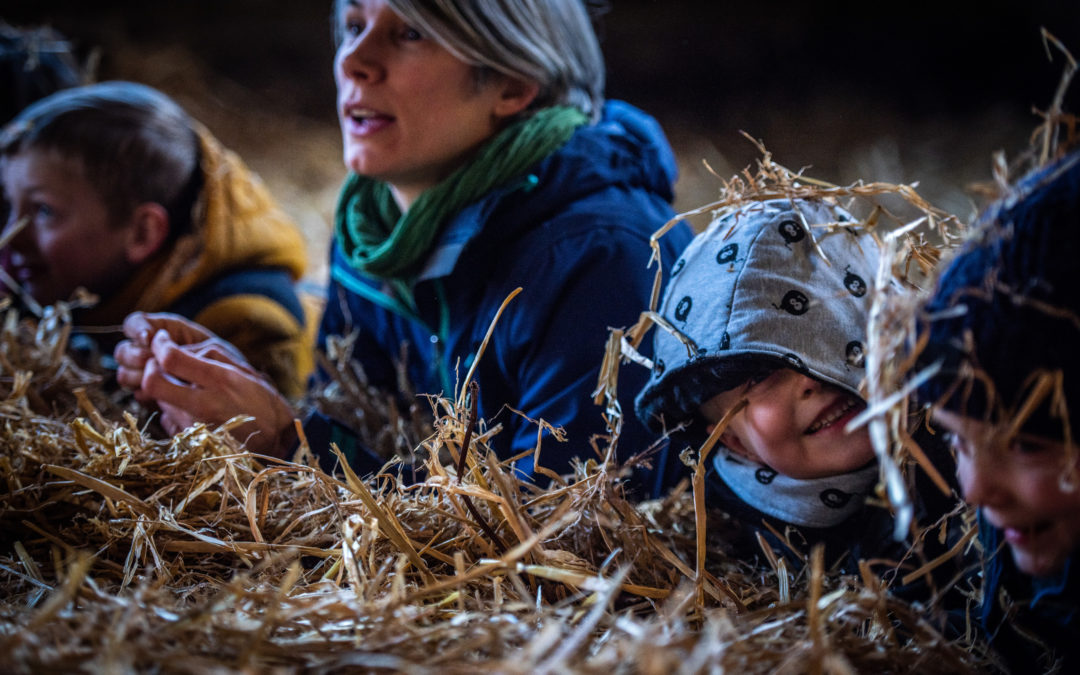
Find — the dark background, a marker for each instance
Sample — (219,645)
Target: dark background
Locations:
(894,91)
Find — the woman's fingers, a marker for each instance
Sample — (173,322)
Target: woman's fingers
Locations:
(141,327)
(131,361)
(167,389)
(224,352)
(137,328)
(174,420)
(205,380)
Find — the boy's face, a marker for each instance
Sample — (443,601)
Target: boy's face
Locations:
(794,424)
(68,240)
(1017,483)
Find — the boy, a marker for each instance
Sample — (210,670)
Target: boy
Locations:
(113,188)
(1005,330)
(773,310)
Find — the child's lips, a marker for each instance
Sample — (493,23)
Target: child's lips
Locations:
(21,273)
(838,414)
(1023,536)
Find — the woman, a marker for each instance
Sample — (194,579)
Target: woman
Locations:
(482,160)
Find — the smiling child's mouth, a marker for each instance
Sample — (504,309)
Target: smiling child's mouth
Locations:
(832,415)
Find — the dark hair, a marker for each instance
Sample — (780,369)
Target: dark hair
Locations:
(34,62)
(135,145)
(1007,309)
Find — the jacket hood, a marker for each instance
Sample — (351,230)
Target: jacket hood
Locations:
(762,287)
(237,225)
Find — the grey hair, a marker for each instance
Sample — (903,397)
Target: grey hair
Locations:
(550,42)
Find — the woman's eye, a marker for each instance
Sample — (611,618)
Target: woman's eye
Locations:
(410,34)
(353,28)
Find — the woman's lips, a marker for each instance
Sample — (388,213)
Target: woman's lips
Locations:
(361,121)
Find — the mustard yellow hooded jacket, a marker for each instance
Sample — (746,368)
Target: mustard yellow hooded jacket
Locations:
(234,273)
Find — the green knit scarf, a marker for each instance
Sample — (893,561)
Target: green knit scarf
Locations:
(380,241)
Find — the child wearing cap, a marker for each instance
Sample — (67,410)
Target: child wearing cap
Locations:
(1004,330)
(769,305)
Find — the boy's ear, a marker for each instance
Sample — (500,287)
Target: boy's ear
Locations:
(732,442)
(515,95)
(147,233)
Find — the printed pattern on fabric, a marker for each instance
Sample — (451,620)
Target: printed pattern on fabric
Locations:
(777,292)
(818,502)
(772,284)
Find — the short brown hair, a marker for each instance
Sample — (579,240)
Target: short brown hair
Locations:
(134,143)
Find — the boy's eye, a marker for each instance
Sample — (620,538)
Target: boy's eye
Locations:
(43,211)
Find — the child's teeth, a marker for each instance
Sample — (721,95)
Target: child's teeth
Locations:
(840,412)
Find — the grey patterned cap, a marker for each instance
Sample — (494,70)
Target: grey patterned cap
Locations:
(752,293)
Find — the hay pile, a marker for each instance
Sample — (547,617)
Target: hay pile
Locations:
(120,551)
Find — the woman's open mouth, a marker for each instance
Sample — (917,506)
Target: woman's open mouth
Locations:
(363,121)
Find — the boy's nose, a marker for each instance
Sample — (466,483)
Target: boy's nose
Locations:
(16,231)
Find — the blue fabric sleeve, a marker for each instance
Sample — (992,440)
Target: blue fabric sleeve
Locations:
(322,431)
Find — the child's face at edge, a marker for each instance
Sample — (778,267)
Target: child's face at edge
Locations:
(1017,484)
(794,424)
(68,240)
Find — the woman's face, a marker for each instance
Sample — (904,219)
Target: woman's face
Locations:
(410,111)
(68,240)
(1017,483)
(793,424)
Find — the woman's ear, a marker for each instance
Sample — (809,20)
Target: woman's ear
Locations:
(515,95)
(147,233)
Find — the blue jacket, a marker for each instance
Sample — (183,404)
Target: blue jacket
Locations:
(1047,608)
(574,235)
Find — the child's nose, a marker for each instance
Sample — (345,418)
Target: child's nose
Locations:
(981,479)
(16,231)
(806,386)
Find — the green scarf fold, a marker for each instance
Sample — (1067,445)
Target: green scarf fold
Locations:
(380,241)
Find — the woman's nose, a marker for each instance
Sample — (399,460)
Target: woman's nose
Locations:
(361,58)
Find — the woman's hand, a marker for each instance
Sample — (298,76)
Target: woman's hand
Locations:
(195,376)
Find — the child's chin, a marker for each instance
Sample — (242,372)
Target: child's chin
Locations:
(1038,563)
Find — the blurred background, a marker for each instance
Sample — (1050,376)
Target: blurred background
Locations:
(897,92)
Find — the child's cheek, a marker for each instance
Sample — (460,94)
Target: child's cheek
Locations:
(965,473)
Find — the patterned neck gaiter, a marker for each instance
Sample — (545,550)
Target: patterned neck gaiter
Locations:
(814,502)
